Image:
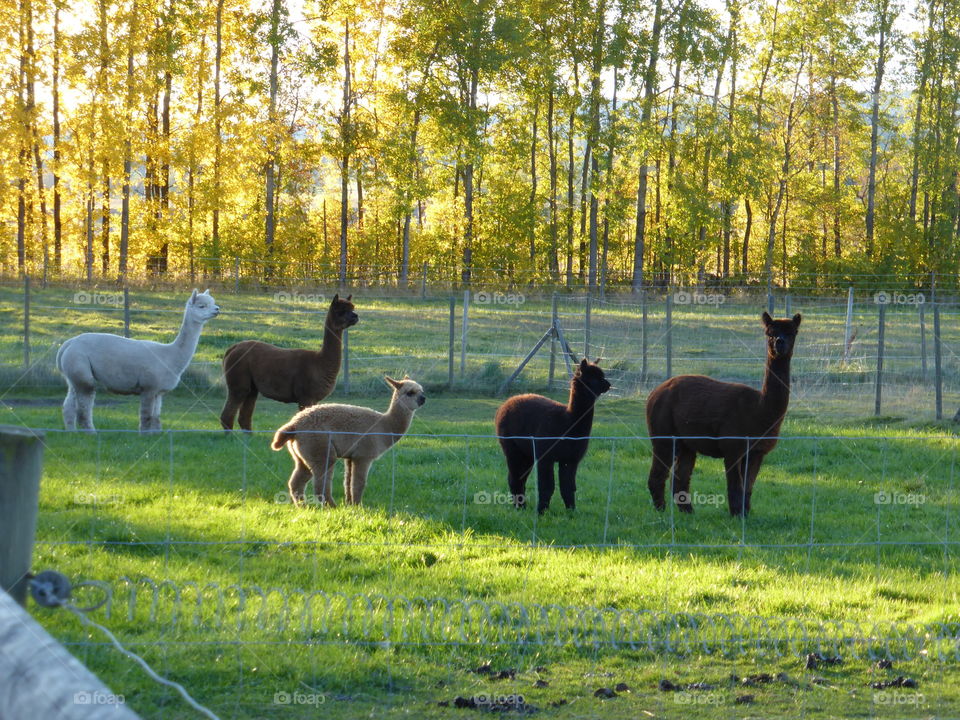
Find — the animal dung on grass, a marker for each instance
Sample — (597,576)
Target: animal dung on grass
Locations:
(318,436)
(129,367)
(252,368)
(534,430)
(691,414)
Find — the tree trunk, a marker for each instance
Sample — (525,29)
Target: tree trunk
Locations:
(746,237)
(569,263)
(57,221)
(885,18)
(552,150)
(218,138)
(918,112)
(728,201)
(270,223)
(649,92)
(468,233)
(533,185)
(127,150)
(346,138)
(35,134)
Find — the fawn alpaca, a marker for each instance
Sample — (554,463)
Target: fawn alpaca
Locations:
(318,436)
(304,377)
(129,367)
(534,429)
(691,414)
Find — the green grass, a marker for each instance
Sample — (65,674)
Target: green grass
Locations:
(114,505)
(199,508)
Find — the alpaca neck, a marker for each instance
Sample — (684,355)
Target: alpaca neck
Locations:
(397,420)
(580,406)
(185,344)
(775,394)
(332,343)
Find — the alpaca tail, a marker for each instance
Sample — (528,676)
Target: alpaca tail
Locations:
(60,354)
(284,435)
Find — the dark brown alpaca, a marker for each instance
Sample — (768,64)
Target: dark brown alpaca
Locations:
(691,414)
(304,377)
(523,419)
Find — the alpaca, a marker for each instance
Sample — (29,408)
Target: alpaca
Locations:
(318,436)
(691,414)
(522,419)
(129,367)
(304,377)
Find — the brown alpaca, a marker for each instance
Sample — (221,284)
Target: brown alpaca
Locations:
(691,414)
(304,377)
(318,436)
(523,420)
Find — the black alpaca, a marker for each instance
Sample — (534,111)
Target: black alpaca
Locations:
(525,425)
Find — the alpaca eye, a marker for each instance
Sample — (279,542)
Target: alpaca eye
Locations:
(411,392)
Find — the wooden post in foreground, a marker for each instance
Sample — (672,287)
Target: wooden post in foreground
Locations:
(21,459)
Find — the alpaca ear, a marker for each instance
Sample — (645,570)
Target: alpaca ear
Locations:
(584,364)
(597,361)
(193,297)
(349,297)
(336,296)
(391,382)
(796,320)
(767,320)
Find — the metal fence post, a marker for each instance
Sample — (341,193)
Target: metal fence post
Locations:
(669,335)
(126,311)
(643,333)
(586,327)
(453,307)
(553,341)
(923,344)
(848,327)
(423,280)
(937,364)
(26,322)
(346,361)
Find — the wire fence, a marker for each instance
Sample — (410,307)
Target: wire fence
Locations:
(187,547)
(884,352)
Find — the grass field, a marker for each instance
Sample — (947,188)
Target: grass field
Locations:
(201,510)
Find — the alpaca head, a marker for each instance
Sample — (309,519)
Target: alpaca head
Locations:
(781,335)
(201,306)
(407,393)
(590,376)
(341,314)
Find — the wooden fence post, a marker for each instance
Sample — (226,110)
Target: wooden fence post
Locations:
(937,364)
(346,361)
(923,344)
(26,322)
(880,330)
(643,333)
(586,328)
(21,460)
(463,333)
(848,327)
(126,311)
(423,280)
(553,341)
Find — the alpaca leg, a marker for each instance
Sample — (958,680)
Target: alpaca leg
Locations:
(246,411)
(735,467)
(568,484)
(686,459)
(347,481)
(323,482)
(70,409)
(358,478)
(230,408)
(660,466)
(545,484)
(518,470)
(85,400)
(299,477)
(147,402)
(157,407)
(753,468)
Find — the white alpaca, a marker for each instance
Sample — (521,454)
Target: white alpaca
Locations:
(129,367)
(317,436)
